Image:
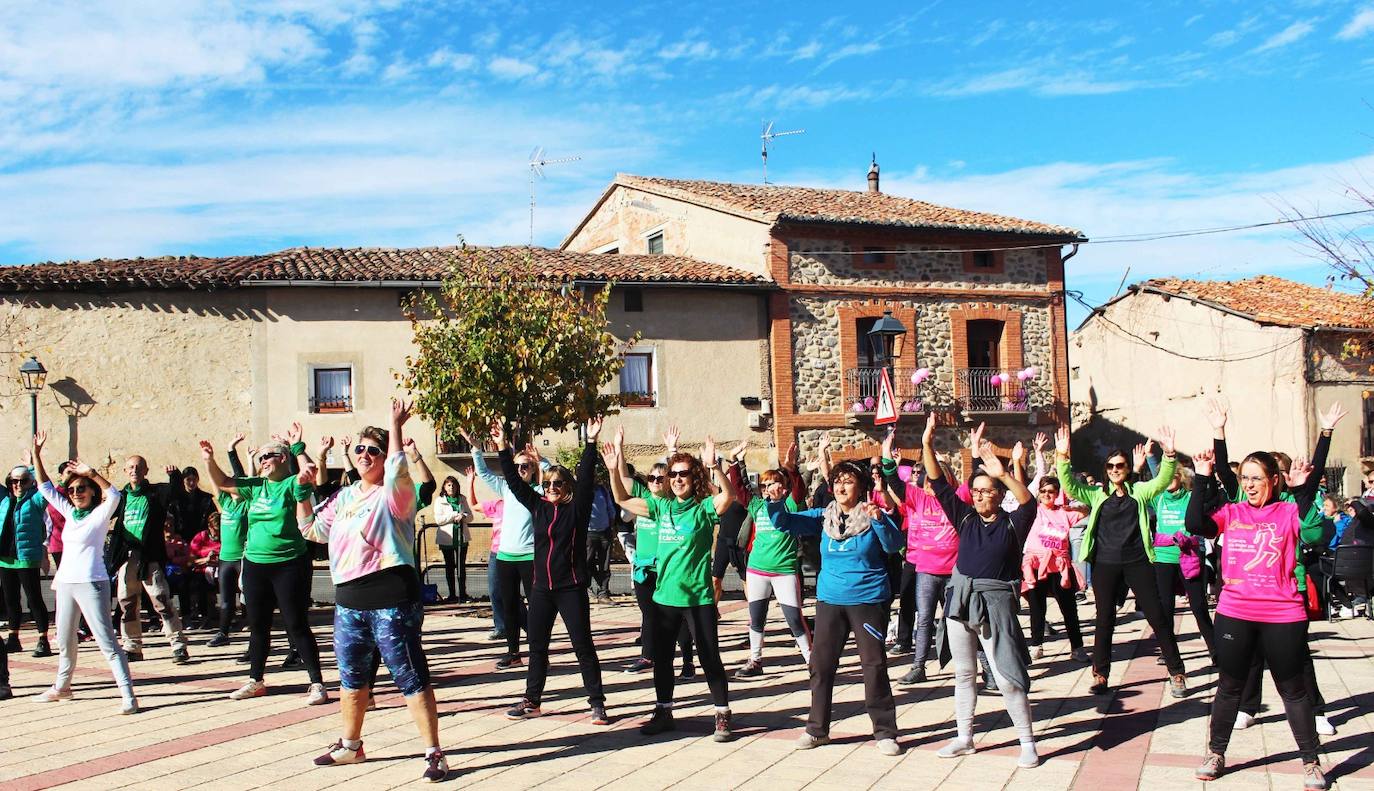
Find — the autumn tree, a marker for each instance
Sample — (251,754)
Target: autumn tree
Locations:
(502,340)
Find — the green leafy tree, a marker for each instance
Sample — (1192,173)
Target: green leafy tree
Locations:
(501,339)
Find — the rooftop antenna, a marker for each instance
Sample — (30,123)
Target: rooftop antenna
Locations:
(537,163)
(768,136)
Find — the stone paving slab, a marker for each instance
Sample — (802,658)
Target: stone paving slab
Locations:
(190,735)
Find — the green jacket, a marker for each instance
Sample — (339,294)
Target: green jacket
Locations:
(1142,492)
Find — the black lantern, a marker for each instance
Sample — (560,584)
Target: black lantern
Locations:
(883,339)
(34,376)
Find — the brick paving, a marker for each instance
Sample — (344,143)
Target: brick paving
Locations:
(190,734)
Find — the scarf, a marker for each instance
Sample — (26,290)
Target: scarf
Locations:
(841,526)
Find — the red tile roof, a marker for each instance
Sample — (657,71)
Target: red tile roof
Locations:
(773,203)
(1273,300)
(358,265)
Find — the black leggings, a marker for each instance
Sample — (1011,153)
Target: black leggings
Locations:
(1111,579)
(30,580)
(229,573)
(1283,647)
(571,605)
(1253,695)
(644,596)
(454,555)
(1038,599)
(701,620)
(284,586)
(512,575)
(1167,575)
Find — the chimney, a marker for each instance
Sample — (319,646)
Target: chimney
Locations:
(873,176)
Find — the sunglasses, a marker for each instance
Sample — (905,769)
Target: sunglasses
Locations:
(81,488)
(656,478)
(371,450)
(675,474)
(25,481)
(522,466)
(1049,491)
(555,483)
(266,456)
(1116,465)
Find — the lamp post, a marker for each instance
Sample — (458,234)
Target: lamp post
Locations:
(883,339)
(34,376)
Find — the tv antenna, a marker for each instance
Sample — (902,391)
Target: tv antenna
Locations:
(537,163)
(768,137)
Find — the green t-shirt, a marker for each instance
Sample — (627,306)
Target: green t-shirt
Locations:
(514,558)
(772,551)
(273,536)
(1170,510)
(646,535)
(135,512)
(683,553)
(233,526)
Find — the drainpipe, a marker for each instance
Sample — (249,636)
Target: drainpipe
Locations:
(1068,369)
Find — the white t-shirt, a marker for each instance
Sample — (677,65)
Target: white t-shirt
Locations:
(83,540)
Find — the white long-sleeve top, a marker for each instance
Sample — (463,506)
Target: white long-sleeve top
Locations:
(450,521)
(83,539)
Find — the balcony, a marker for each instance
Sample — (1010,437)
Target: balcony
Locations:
(978,394)
(861,387)
(327,406)
(451,447)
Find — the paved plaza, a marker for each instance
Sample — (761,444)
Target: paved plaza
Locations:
(190,734)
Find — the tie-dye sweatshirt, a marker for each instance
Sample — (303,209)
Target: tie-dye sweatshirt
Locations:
(367,531)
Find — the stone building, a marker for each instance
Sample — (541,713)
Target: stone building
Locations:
(979,294)
(1279,351)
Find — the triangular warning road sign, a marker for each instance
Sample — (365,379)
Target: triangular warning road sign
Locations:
(886,411)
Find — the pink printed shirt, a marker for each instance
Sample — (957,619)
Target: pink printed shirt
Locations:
(370,531)
(1259,556)
(1048,550)
(932,544)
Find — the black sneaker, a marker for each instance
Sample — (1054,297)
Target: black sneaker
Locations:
(134,656)
(750,669)
(242,658)
(181,657)
(292,660)
(523,710)
(688,672)
(12,644)
(1099,686)
(640,665)
(916,675)
(508,661)
(494,635)
(599,714)
(900,648)
(5,692)
(220,639)
(660,722)
(42,649)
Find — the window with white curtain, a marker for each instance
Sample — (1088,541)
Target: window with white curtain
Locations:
(333,390)
(637,379)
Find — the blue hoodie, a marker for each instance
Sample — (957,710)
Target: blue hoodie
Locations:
(854,569)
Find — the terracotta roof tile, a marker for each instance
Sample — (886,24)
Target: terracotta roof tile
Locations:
(358,265)
(1273,300)
(773,203)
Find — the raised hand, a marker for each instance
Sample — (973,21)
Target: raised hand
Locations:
(929,432)
(1061,441)
(871,510)
(1166,440)
(498,434)
(39,440)
(738,451)
(400,411)
(670,438)
(1018,453)
(79,467)
(610,454)
(207,451)
(326,443)
(594,428)
(1138,454)
(1331,416)
(412,452)
(1203,462)
(887,443)
(1217,411)
(170,469)
(620,436)
(708,452)
(1041,440)
(975,437)
(991,464)
(294,434)
(238,440)
(1298,473)
(790,458)
(469,473)
(308,473)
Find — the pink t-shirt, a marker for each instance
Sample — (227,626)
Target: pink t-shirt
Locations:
(1048,550)
(931,541)
(494,510)
(1259,556)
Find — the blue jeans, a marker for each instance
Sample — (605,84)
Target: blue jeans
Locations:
(930,588)
(392,631)
(498,613)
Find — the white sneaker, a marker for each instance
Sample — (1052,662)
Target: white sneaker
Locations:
(1243,720)
(130,706)
(889,747)
(317,695)
(955,748)
(1038,652)
(806,741)
(253,689)
(52,694)
(1324,726)
(1345,612)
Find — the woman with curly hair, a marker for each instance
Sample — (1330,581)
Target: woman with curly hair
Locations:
(683,592)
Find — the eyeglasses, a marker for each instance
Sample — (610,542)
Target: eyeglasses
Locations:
(1253,479)
(675,474)
(371,450)
(1116,465)
(555,483)
(983,492)
(656,478)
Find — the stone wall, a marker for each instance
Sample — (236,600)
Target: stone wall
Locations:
(819,369)
(838,262)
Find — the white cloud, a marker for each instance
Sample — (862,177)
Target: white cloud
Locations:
(688,49)
(807,51)
(446,58)
(1037,78)
(1293,33)
(508,68)
(1359,26)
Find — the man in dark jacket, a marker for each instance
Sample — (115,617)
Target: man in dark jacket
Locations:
(196,505)
(138,553)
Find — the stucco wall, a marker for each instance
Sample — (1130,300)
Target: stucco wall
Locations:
(628,216)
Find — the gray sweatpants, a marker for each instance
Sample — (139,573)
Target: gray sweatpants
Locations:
(963,649)
(91,599)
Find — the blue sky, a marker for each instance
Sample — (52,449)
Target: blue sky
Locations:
(213,127)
